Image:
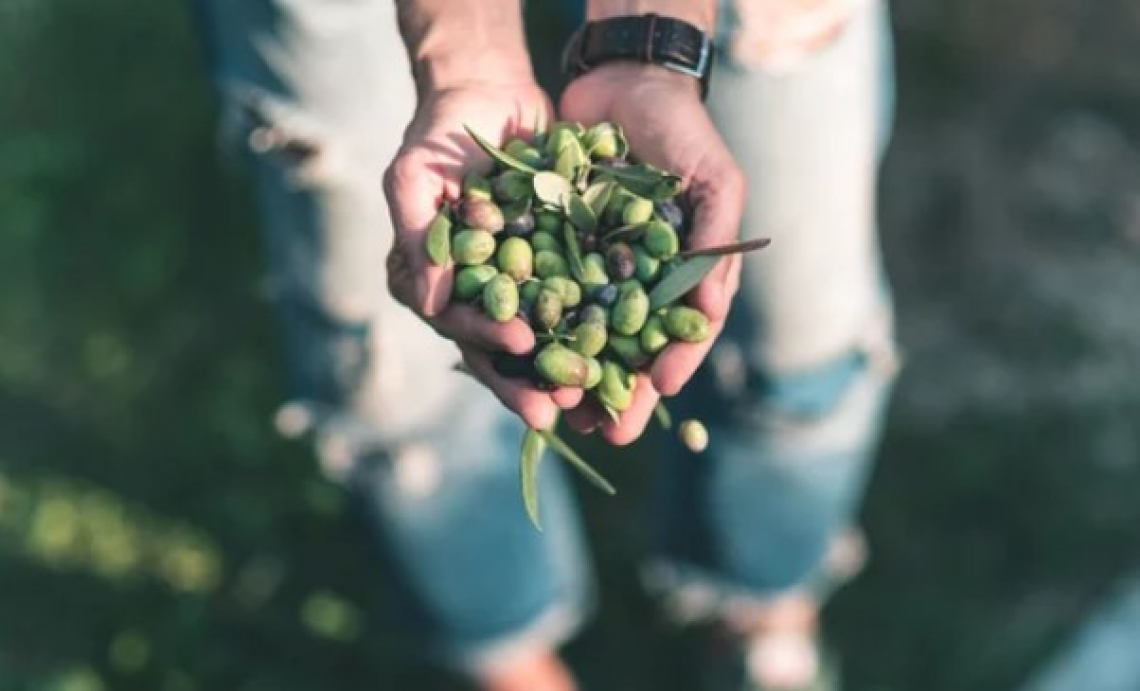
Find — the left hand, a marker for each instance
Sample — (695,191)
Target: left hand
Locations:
(667,126)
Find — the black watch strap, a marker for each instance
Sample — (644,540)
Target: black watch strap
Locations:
(650,38)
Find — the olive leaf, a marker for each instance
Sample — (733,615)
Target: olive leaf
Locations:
(577,462)
(552,188)
(530,458)
(644,180)
(571,158)
(681,280)
(731,248)
(539,131)
(612,412)
(598,195)
(439,238)
(580,214)
(574,250)
(663,416)
(498,154)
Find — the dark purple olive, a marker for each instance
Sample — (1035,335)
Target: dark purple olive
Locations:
(607,295)
(670,212)
(589,242)
(570,318)
(621,264)
(520,226)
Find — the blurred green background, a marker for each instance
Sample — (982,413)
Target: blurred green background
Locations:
(156,535)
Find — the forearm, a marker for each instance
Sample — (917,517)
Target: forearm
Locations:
(454,43)
(700,13)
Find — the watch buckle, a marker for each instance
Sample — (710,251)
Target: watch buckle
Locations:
(702,63)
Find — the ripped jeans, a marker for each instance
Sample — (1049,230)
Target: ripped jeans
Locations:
(318,95)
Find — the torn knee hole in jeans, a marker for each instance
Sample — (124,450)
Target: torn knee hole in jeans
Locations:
(800,398)
(267,125)
(779,35)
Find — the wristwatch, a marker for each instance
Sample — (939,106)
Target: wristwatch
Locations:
(650,38)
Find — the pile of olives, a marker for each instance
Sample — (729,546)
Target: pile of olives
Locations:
(569,235)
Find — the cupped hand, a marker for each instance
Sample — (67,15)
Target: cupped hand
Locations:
(667,126)
(436,153)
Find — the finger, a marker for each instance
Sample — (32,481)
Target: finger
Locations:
(415,190)
(677,364)
(536,408)
(631,423)
(467,324)
(567,398)
(718,203)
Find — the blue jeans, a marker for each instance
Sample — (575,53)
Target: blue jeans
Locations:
(318,95)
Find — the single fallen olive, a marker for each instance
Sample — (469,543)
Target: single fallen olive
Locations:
(472,247)
(661,240)
(631,310)
(516,258)
(686,324)
(694,435)
(653,337)
(561,366)
(470,280)
(501,298)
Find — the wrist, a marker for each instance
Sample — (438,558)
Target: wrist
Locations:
(627,78)
(699,13)
(453,44)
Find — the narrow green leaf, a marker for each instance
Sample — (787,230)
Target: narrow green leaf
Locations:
(552,188)
(439,238)
(645,181)
(681,280)
(574,250)
(498,154)
(539,131)
(571,159)
(731,248)
(598,195)
(530,458)
(663,416)
(577,462)
(612,412)
(580,214)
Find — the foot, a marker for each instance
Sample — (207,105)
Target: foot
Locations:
(536,672)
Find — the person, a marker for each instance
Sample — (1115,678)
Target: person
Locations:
(748,535)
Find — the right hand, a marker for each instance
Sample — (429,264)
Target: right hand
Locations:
(436,153)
